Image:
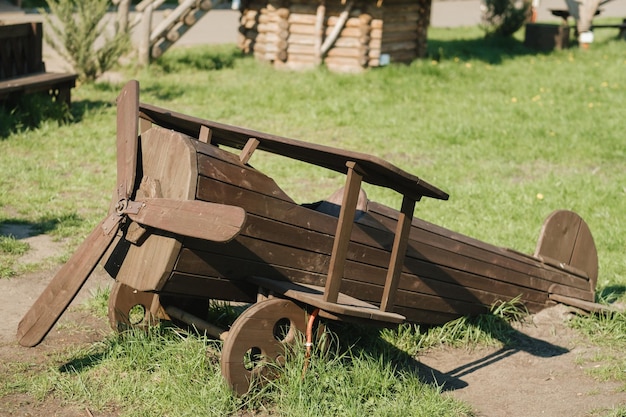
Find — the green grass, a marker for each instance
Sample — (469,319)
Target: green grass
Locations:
(607,330)
(512,135)
(168,372)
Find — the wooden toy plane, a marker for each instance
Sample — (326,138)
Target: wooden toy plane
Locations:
(198,222)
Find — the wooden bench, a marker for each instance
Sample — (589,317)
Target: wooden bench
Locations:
(22,70)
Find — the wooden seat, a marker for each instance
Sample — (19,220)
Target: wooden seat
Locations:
(313,295)
(57,85)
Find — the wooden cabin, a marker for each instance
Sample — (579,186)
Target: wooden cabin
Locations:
(343,35)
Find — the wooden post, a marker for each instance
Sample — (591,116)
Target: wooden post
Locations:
(401,240)
(342,236)
(318,32)
(343,17)
(122,15)
(143,49)
(205,134)
(248,150)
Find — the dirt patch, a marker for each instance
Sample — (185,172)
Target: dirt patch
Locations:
(77,327)
(41,246)
(544,374)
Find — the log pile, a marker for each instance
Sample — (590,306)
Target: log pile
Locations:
(344,35)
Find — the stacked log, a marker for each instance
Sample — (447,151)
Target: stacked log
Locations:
(263,30)
(399,32)
(345,35)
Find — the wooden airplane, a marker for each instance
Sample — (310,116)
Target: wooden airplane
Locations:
(197,222)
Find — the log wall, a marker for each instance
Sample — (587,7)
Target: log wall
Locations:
(346,36)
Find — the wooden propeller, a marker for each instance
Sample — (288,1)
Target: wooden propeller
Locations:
(197,219)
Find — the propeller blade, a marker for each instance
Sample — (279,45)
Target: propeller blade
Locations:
(60,292)
(192,218)
(127,131)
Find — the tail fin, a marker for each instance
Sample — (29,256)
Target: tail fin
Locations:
(565,238)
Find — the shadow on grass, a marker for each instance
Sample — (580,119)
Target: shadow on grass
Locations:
(30,111)
(21,229)
(492,50)
(611,293)
(363,339)
(366,340)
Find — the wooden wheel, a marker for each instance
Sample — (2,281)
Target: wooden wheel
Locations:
(257,338)
(131,308)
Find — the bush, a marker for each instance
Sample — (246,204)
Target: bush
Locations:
(75,31)
(504,17)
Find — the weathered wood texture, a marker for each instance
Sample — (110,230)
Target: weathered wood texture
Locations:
(257,335)
(163,154)
(443,274)
(22,70)
(345,36)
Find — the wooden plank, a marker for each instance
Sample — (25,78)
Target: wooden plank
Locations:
(315,296)
(585,255)
(36,83)
(127,144)
(376,171)
(453,243)
(63,288)
(193,218)
(571,292)
(445,251)
(210,287)
(248,150)
(245,178)
(344,231)
(205,135)
(584,305)
(558,236)
(398,254)
(168,158)
(258,257)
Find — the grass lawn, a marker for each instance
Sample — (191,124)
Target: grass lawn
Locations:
(510,134)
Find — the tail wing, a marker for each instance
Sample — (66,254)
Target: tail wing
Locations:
(565,239)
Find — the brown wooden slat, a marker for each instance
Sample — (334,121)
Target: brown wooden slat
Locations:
(417,250)
(398,254)
(36,83)
(306,218)
(448,241)
(251,251)
(584,305)
(496,257)
(376,171)
(301,238)
(425,316)
(313,295)
(558,236)
(199,219)
(64,287)
(209,287)
(572,292)
(239,175)
(343,233)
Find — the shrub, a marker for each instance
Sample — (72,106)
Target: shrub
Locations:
(504,17)
(80,26)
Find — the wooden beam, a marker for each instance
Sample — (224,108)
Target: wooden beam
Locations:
(342,236)
(398,253)
(248,150)
(205,134)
